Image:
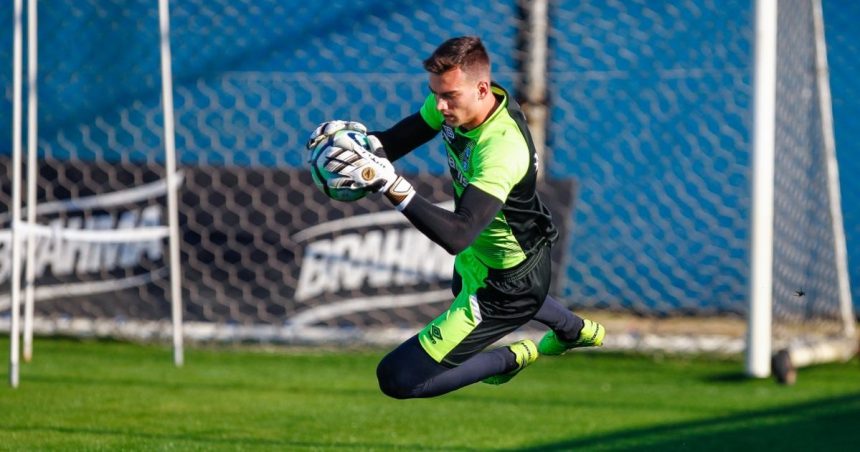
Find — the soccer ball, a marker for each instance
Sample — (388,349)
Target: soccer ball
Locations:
(326,160)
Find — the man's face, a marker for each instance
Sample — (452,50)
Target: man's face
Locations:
(457,97)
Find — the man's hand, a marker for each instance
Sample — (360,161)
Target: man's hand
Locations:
(374,172)
(328,128)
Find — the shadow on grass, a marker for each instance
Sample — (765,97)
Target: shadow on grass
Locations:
(729,377)
(826,424)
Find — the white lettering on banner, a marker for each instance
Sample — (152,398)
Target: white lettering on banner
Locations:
(64,257)
(393,257)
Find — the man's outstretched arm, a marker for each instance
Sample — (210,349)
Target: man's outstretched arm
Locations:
(401,139)
(455,230)
(405,136)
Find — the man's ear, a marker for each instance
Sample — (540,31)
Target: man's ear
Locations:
(483,88)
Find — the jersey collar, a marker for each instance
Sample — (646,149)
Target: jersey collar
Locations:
(497,90)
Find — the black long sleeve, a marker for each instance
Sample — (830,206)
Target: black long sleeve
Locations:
(456,230)
(405,136)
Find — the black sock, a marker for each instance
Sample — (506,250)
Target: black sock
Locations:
(566,324)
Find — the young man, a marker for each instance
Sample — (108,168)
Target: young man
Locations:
(500,231)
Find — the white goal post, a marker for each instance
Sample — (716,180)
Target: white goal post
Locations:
(761,346)
(21,232)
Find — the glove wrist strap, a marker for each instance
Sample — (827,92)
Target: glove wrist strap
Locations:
(400,193)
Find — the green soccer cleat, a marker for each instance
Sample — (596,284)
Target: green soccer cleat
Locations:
(591,335)
(526,353)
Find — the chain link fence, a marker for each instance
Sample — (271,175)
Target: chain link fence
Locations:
(647,164)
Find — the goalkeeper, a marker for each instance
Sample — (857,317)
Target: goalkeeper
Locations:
(500,231)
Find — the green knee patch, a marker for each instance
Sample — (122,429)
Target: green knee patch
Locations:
(445,332)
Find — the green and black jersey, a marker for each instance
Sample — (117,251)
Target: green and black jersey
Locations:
(498,157)
(498,228)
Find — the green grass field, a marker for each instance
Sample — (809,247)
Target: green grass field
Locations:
(108,396)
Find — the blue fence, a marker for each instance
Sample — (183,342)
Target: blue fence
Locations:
(639,91)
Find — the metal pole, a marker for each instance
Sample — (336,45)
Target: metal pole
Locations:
(172,188)
(14,332)
(761,252)
(32,174)
(535,105)
(822,78)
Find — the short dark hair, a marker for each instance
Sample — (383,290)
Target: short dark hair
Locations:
(466,52)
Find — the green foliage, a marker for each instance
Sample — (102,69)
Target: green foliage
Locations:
(108,396)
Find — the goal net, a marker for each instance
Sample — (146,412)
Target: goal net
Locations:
(647,165)
(812,312)
(657,108)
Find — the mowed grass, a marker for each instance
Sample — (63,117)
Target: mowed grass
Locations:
(96,395)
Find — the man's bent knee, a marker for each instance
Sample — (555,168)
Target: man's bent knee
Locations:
(392,381)
(395,382)
(407,371)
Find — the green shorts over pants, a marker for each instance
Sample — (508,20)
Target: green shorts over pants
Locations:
(488,304)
